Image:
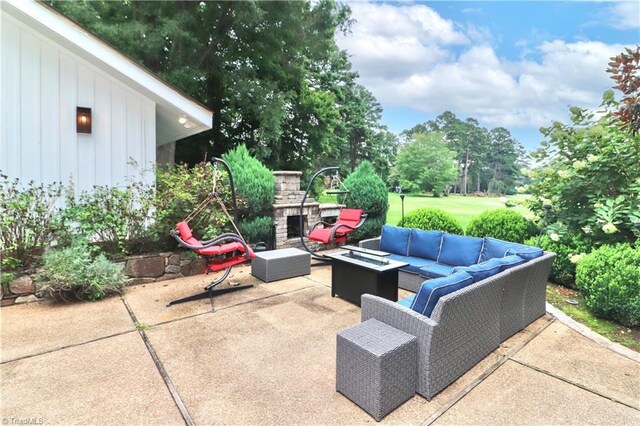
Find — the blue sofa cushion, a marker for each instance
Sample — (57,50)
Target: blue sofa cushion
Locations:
(458,250)
(432,290)
(510,261)
(425,244)
(436,270)
(482,270)
(407,301)
(498,248)
(525,252)
(394,240)
(415,263)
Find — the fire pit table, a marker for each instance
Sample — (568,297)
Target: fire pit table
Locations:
(357,271)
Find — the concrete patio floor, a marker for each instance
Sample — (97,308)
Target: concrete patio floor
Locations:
(267,356)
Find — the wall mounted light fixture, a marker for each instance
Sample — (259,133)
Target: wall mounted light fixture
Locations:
(83,120)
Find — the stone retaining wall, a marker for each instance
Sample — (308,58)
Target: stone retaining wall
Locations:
(142,269)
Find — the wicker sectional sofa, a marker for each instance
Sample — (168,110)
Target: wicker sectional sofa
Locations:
(468,324)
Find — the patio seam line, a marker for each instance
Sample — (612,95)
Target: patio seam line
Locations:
(576,384)
(227,307)
(490,370)
(66,347)
(160,367)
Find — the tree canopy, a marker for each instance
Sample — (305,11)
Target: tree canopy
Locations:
(426,164)
(487,160)
(270,72)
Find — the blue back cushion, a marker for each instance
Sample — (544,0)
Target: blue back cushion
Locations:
(482,270)
(525,252)
(458,250)
(510,261)
(425,244)
(432,290)
(498,248)
(394,239)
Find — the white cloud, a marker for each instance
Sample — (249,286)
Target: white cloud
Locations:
(625,15)
(405,65)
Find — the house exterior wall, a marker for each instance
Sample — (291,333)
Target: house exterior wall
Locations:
(42,83)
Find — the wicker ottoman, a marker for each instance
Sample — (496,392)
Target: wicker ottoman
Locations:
(280,264)
(376,366)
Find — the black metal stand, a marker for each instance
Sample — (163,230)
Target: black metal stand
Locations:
(209,294)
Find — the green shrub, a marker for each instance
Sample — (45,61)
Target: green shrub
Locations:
(256,230)
(116,218)
(27,221)
(71,273)
(367,191)
(253,182)
(431,219)
(563,269)
(179,189)
(503,224)
(609,279)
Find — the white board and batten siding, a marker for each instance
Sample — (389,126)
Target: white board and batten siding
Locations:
(42,83)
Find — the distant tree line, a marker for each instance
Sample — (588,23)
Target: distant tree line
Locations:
(483,160)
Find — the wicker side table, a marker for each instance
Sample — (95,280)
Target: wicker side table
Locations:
(376,366)
(281,264)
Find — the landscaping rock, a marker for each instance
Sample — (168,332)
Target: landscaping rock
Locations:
(22,285)
(26,299)
(174,259)
(172,269)
(8,301)
(198,266)
(148,267)
(185,270)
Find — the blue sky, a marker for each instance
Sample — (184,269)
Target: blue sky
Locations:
(513,64)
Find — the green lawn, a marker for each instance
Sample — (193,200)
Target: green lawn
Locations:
(463,208)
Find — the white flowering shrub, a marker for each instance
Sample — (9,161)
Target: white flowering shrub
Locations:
(590,174)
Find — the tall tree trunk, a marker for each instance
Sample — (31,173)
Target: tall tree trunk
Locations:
(465,173)
(478,183)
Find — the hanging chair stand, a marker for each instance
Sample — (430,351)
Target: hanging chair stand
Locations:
(222,252)
(336,231)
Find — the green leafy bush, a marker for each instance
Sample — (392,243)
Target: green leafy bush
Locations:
(367,191)
(567,248)
(503,224)
(117,219)
(256,230)
(589,173)
(609,279)
(27,221)
(71,273)
(431,219)
(253,182)
(179,190)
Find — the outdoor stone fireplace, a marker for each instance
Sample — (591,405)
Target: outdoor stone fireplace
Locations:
(286,210)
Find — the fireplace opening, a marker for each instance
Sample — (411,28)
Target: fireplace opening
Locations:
(293,226)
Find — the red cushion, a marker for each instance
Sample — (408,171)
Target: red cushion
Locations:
(323,235)
(184,230)
(221,249)
(350,215)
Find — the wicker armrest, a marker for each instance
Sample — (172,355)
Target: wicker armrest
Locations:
(372,243)
(396,315)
